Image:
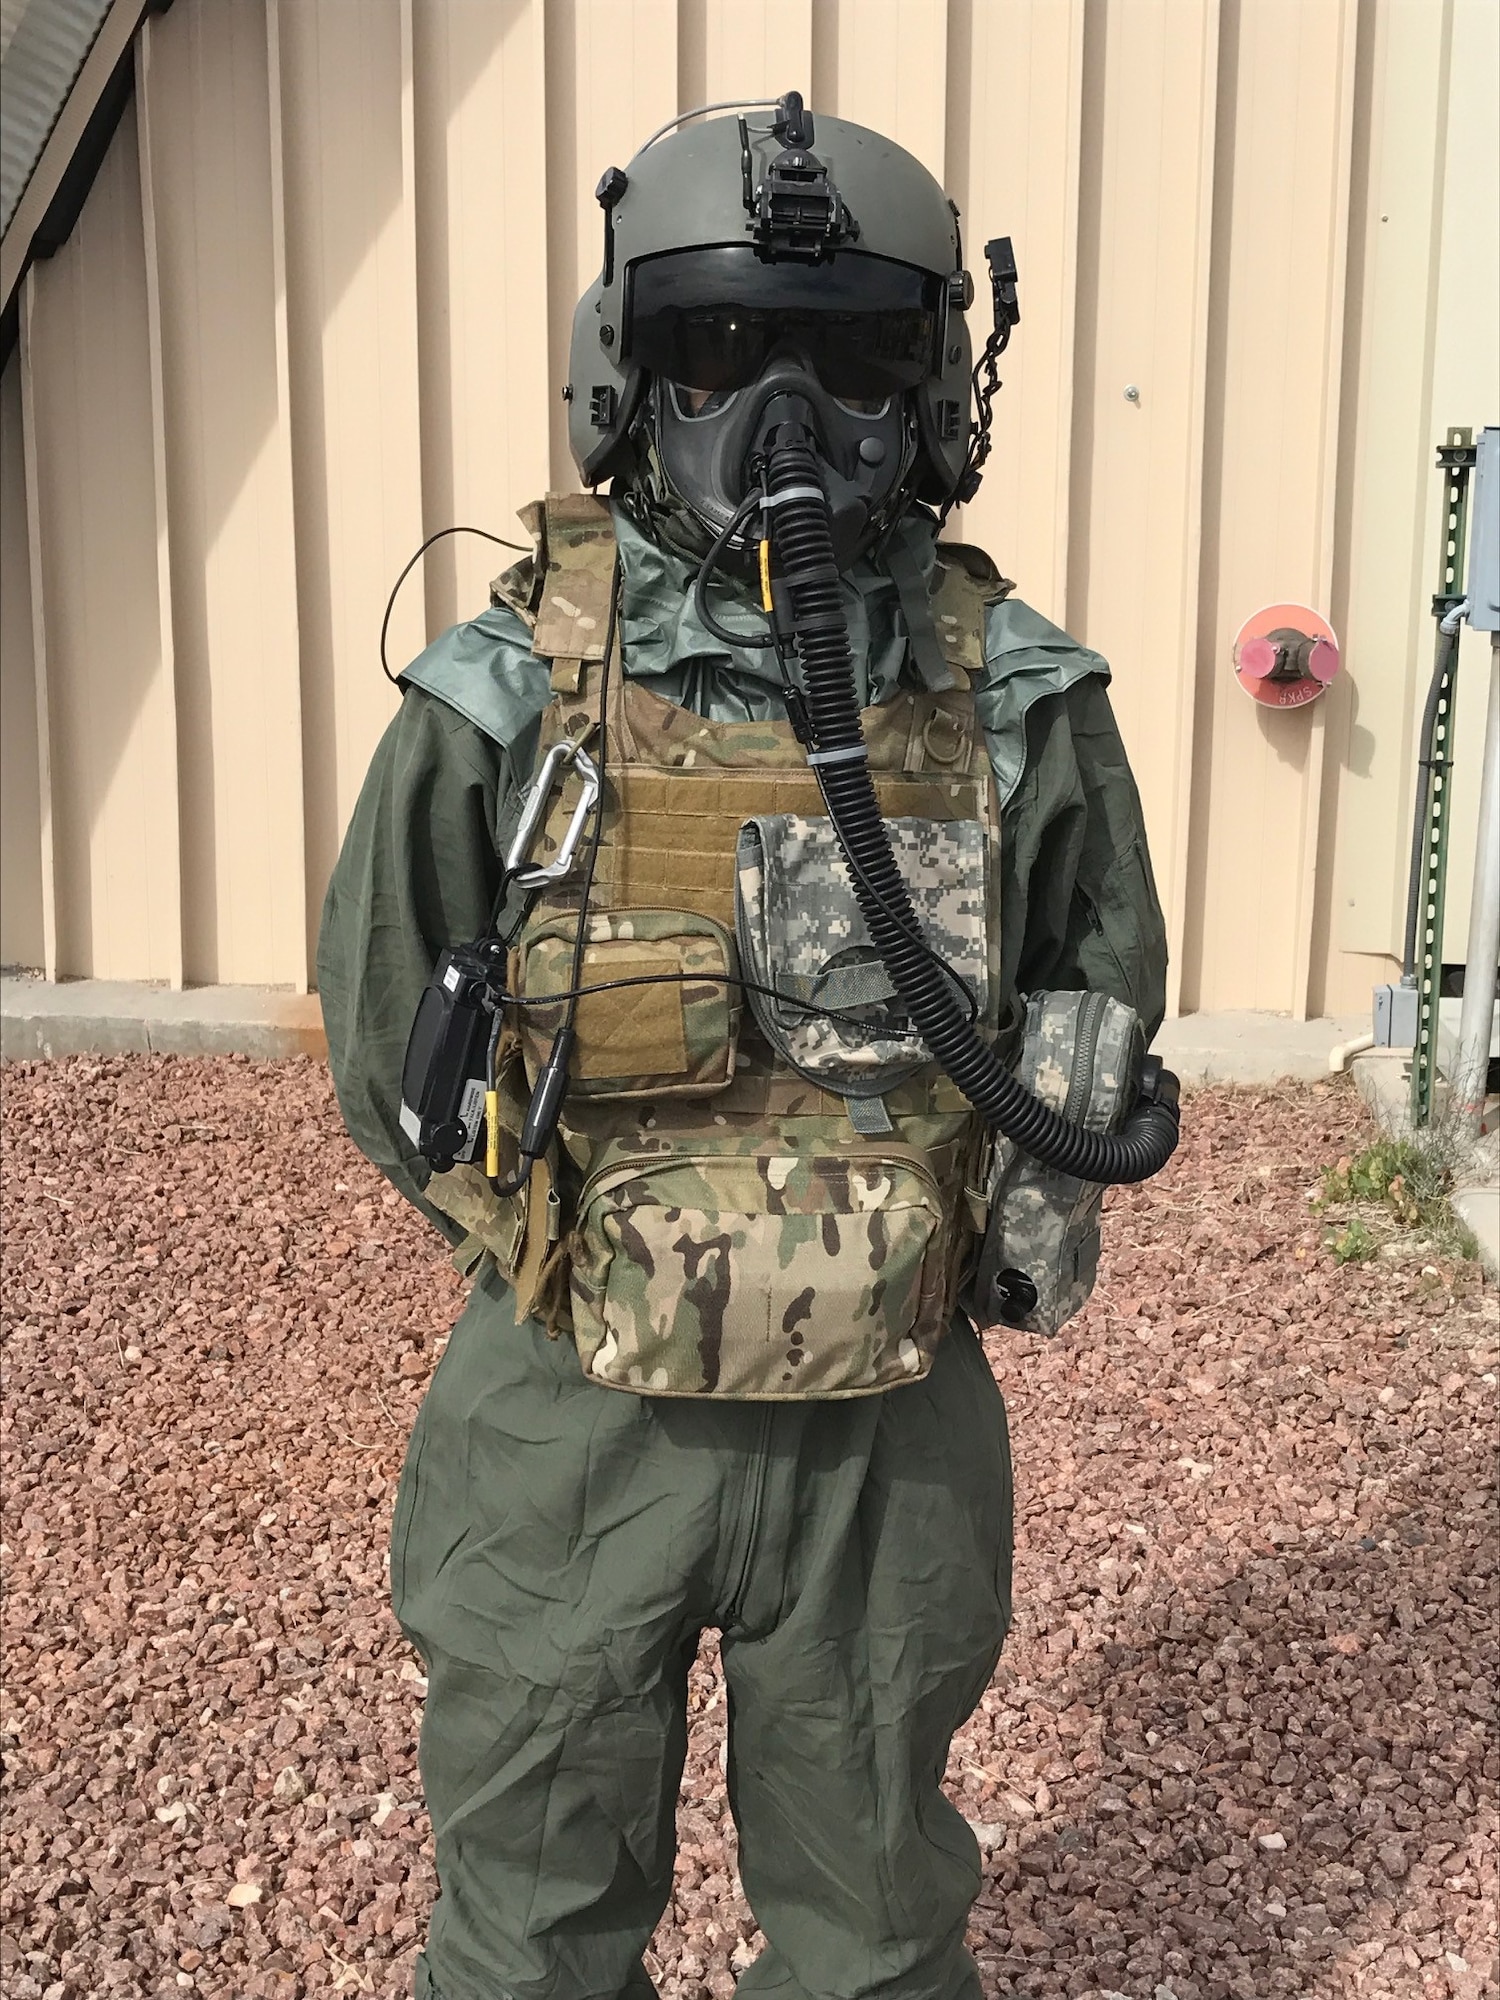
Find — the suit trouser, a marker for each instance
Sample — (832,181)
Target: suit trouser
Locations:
(557,1549)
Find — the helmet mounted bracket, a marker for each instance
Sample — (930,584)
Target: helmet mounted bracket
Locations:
(796,210)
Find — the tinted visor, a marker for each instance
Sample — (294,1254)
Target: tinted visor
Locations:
(710,319)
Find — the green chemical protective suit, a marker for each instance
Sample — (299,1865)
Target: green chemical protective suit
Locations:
(557,1548)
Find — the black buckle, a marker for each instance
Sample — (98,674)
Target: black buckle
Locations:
(1001,259)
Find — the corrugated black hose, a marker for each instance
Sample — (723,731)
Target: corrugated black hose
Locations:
(802,539)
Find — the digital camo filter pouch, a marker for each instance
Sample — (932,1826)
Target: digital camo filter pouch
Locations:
(1082,1055)
(802,940)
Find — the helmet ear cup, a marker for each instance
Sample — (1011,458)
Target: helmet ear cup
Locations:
(944,411)
(603,394)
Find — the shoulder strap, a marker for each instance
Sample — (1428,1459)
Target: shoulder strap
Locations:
(573,608)
(966,583)
(936,670)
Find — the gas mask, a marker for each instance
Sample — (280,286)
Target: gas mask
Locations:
(735,342)
(712,442)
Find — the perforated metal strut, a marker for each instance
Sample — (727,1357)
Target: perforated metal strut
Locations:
(1455,459)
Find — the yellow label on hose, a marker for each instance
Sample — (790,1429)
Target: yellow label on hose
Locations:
(492,1133)
(765,575)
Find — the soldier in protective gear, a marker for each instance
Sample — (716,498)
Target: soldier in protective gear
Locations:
(723,1170)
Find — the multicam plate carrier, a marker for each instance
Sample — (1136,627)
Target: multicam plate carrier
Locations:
(710,1222)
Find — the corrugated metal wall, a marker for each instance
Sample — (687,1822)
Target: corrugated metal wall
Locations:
(318,305)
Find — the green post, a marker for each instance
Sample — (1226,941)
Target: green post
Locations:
(1455,460)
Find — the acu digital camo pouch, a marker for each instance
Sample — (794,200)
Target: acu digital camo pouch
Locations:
(1082,1055)
(804,943)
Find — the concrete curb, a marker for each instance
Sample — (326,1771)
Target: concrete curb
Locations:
(1246,1047)
(118,1017)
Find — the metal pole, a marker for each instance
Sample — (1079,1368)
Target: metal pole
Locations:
(1434,787)
(1472,1066)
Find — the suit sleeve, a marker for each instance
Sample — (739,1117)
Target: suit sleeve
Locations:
(1080,907)
(418,871)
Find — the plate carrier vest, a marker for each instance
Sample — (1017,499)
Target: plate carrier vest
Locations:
(709,1221)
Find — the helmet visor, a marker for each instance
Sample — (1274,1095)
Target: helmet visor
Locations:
(711,319)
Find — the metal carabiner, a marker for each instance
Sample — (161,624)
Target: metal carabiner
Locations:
(536,807)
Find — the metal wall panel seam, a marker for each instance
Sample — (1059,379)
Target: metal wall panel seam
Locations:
(38,628)
(159,474)
(758,52)
(480,90)
(1328,459)
(21,941)
(1067,333)
(1140,375)
(1177,858)
(1281,174)
(352,350)
(1013,165)
(611,81)
(301,954)
(1376,811)
(409,249)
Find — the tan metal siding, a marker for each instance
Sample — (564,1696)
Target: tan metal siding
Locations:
(1015,92)
(319,304)
(1147,165)
(22,937)
(109,779)
(205,98)
(339,81)
(1280,219)
(481,194)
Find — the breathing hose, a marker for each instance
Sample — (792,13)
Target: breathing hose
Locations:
(796,508)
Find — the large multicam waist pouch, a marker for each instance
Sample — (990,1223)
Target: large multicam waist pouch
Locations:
(1082,1055)
(760,1269)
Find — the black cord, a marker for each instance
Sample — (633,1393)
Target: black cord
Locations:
(576,993)
(796,708)
(700,589)
(390,602)
(986,384)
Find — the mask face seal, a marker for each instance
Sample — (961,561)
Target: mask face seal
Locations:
(725,334)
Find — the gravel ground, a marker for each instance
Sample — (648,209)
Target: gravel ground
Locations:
(1240,1744)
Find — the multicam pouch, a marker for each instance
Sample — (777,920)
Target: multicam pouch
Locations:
(1082,1055)
(768,1275)
(800,932)
(654,1038)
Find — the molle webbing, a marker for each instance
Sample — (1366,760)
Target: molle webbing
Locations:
(680,788)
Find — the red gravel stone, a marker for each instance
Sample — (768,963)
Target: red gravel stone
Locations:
(1240,1744)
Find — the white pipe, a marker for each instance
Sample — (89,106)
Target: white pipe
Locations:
(1343,1053)
(1474,1024)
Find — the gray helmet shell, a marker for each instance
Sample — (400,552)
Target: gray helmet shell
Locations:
(686,191)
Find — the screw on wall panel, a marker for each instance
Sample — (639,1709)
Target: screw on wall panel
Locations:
(1132,393)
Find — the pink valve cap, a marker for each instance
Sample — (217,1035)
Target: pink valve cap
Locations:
(1257,657)
(1323,661)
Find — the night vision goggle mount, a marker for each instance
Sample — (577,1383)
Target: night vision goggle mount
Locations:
(797,210)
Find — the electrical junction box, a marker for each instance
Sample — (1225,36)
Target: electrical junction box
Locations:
(1395,1017)
(1484,535)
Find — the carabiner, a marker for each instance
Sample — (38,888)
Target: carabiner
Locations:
(536,808)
